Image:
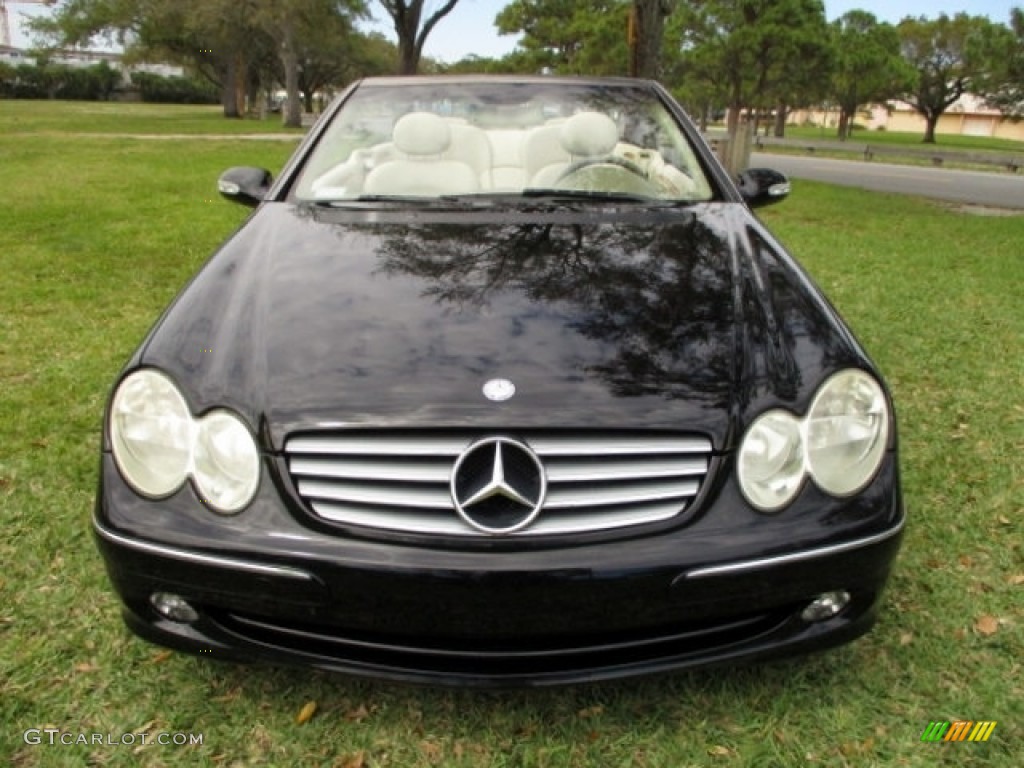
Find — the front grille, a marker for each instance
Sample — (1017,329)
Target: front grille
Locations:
(401,481)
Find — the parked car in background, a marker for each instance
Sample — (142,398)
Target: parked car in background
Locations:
(502,383)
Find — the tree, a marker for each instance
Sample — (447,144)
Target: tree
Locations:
(647,31)
(868,65)
(755,53)
(299,29)
(569,37)
(213,37)
(407,16)
(238,45)
(1005,86)
(951,57)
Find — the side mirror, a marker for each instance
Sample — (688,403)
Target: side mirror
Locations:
(763,186)
(245,185)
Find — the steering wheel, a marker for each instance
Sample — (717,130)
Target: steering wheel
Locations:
(621,162)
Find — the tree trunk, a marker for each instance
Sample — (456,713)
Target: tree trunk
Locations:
(408,61)
(648,29)
(293,106)
(227,89)
(241,73)
(929,132)
(408,54)
(844,124)
(307,99)
(781,113)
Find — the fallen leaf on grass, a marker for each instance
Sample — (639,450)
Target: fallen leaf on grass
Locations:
(358,760)
(1017,579)
(161,657)
(987,625)
(431,750)
(1004,520)
(306,713)
(358,714)
(720,751)
(86,666)
(906,638)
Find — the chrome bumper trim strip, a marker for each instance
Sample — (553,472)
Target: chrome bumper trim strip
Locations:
(200,558)
(742,566)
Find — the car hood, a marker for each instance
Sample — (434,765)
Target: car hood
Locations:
(685,319)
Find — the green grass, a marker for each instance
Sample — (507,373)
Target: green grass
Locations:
(909,140)
(18,116)
(97,235)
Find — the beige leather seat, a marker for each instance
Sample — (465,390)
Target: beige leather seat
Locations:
(470,145)
(420,140)
(543,147)
(585,135)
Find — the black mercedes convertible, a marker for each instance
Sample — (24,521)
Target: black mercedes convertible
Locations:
(501,383)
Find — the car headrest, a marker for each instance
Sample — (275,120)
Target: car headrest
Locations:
(589,134)
(421,133)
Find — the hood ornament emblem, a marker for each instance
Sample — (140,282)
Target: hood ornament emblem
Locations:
(499,390)
(498,485)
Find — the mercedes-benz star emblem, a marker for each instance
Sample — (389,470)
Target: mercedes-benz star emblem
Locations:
(499,390)
(498,485)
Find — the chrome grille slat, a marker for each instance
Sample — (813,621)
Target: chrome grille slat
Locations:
(584,496)
(401,521)
(588,472)
(399,481)
(574,446)
(376,469)
(417,497)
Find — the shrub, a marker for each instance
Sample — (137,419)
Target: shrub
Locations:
(48,80)
(173,90)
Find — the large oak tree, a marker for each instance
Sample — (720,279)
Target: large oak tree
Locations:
(868,65)
(951,57)
(413,29)
(751,54)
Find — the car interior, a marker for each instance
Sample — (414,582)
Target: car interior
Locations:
(502,150)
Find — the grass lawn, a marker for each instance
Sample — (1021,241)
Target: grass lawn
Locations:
(917,152)
(909,140)
(107,117)
(97,236)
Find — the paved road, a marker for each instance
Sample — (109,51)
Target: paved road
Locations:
(998,190)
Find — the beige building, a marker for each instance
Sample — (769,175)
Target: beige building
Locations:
(967,117)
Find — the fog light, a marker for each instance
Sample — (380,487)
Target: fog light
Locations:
(173,607)
(826,605)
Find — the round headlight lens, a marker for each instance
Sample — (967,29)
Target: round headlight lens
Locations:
(847,432)
(151,433)
(226,462)
(771,461)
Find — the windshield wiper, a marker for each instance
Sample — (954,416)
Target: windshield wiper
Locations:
(595,195)
(444,201)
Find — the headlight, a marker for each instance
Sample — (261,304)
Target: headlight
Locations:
(839,444)
(771,461)
(227,464)
(157,444)
(847,431)
(151,433)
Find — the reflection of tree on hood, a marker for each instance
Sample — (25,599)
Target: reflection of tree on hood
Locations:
(653,292)
(686,304)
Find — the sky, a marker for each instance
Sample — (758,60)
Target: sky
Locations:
(469,29)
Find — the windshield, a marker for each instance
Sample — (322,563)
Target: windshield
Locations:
(443,139)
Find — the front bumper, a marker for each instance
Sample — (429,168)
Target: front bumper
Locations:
(674,599)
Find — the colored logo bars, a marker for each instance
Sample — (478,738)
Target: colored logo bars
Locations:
(959,730)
